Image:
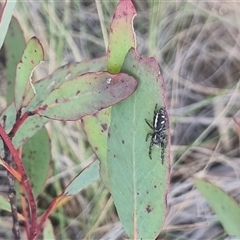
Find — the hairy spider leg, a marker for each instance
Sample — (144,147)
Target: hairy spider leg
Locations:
(149,124)
(163,146)
(155,110)
(150,150)
(147,136)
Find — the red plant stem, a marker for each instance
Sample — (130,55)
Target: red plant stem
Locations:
(25,211)
(19,123)
(25,181)
(47,213)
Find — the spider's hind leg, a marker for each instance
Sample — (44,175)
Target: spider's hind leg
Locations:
(150,150)
(163,145)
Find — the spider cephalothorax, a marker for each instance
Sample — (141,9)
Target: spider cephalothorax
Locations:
(159,126)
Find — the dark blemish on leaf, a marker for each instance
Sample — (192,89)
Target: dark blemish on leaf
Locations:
(123,142)
(96,149)
(147,192)
(77,92)
(149,209)
(35,50)
(56,100)
(155,186)
(109,135)
(114,155)
(32,62)
(124,13)
(104,126)
(138,193)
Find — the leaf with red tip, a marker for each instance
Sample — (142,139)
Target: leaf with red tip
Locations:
(122,36)
(87,94)
(137,183)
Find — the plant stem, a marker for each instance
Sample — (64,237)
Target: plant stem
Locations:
(24,181)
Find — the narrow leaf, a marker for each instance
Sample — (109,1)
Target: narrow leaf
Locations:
(87,176)
(122,36)
(226,208)
(6,11)
(48,232)
(86,95)
(14,46)
(32,56)
(36,159)
(96,130)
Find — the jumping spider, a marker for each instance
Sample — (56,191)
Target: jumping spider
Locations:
(159,126)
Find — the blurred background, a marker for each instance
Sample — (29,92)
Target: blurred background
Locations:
(197,46)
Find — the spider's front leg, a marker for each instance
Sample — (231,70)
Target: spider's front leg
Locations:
(148,124)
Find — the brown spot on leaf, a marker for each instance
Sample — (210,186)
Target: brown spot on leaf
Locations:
(56,100)
(77,92)
(104,126)
(149,208)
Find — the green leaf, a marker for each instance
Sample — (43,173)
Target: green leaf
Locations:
(87,94)
(14,46)
(226,208)
(6,11)
(43,88)
(122,36)
(63,74)
(87,176)
(36,159)
(32,56)
(48,232)
(96,130)
(4,204)
(138,185)
(96,127)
